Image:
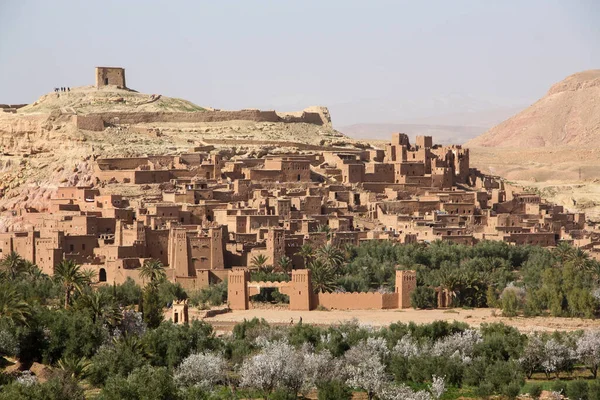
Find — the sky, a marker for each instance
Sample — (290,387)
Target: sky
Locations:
(368,61)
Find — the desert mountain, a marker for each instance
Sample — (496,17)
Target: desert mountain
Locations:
(568,115)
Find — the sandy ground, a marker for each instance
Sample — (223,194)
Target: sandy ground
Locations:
(473,317)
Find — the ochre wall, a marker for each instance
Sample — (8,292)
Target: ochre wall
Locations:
(357,301)
(204,116)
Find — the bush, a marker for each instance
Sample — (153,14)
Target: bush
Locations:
(126,294)
(484,390)
(334,390)
(512,390)
(60,387)
(594,390)
(144,383)
(423,297)
(510,303)
(559,387)
(578,390)
(215,295)
(113,361)
(535,390)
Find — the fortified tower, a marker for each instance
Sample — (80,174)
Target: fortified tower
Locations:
(301,293)
(106,76)
(237,289)
(406,282)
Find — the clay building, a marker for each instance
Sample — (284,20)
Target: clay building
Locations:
(106,76)
(213,214)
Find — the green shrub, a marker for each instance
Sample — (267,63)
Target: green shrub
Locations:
(559,386)
(535,390)
(282,394)
(484,390)
(510,303)
(594,390)
(60,387)
(146,383)
(512,390)
(577,390)
(423,297)
(215,295)
(334,390)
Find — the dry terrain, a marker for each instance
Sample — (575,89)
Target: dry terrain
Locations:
(552,147)
(568,115)
(474,317)
(569,176)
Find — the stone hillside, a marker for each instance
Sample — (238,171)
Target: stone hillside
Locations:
(568,115)
(43,146)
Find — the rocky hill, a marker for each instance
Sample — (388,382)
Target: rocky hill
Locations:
(568,115)
(54,141)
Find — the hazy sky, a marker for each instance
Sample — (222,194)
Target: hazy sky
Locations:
(368,61)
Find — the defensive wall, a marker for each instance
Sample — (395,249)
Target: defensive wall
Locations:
(302,297)
(98,121)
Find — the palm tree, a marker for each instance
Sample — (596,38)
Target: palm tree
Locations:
(12,305)
(448,280)
(13,264)
(349,251)
(154,271)
(563,251)
(75,367)
(101,306)
(35,273)
(285,263)
(259,261)
(331,256)
(307,253)
(323,277)
(579,259)
(72,278)
(326,229)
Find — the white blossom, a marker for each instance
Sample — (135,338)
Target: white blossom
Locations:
(408,347)
(402,392)
(438,387)
(588,350)
(378,345)
(132,323)
(460,344)
(278,365)
(27,378)
(556,357)
(365,369)
(8,344)
(203,370)
(531,358)
(321,367)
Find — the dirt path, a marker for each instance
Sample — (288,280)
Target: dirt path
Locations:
(225,322)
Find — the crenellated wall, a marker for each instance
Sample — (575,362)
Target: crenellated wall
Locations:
(200,116)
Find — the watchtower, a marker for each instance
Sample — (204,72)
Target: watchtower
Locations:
(301,293)
(237,289)
(180,312)
(406,282)
(106,76)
